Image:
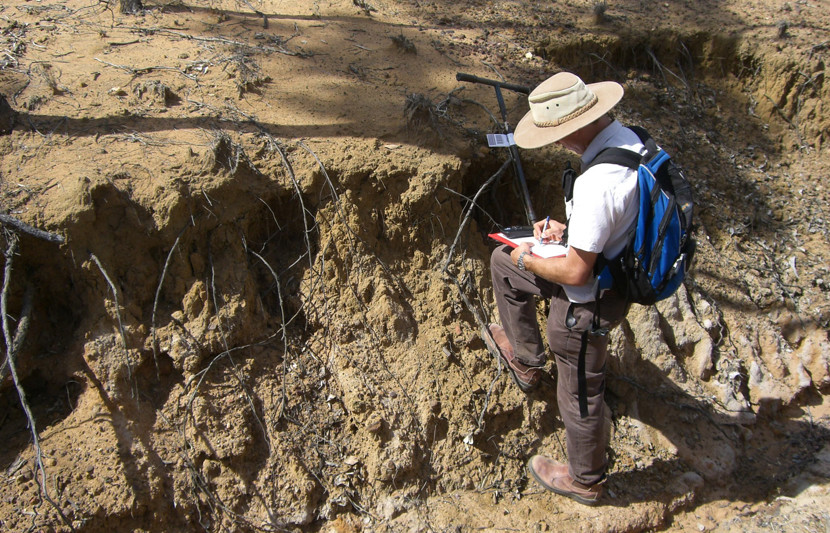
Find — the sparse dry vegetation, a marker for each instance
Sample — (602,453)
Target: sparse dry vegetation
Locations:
(244,292)
(402,42)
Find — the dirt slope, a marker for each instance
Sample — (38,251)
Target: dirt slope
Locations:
(266,308)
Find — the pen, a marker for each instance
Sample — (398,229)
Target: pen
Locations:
(544,229)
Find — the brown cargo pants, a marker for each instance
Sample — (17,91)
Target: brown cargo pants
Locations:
(580,352)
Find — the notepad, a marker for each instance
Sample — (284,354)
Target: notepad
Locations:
(540,250)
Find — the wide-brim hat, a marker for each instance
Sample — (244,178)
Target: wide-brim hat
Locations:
(562,104)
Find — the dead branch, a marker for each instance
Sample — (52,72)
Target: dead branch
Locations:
(275,146)
(12,347)
(442,108)
(8,220)
(470,207)
(283,329)
(494,69)
(663,69)
(491,347)
(481,321)
(156,300)
(258,12)
(227,353)
(222,40)
(601,59)
(120,324)
(468,199)
(144,70)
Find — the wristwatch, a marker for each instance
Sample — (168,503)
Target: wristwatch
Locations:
(520,262)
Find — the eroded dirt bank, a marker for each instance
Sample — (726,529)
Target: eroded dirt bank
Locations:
(267,311)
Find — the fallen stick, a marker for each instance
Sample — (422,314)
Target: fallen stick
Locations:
(144,70)
(8,220)
(156,302)
(283,400)
(12,347)
(492,347)
(467,215)
(120,324)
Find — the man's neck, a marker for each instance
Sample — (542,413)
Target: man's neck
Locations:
(595,129)
(579,141)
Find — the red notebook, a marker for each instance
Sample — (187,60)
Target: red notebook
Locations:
(539,250)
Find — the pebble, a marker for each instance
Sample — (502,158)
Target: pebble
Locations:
(374,425)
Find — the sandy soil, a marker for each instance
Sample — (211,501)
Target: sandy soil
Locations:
(265,308)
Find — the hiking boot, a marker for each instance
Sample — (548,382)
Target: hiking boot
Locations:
(526,377)
(555,477)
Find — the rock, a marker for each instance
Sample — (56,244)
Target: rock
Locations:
(692,480)
(390,507)
(374,423)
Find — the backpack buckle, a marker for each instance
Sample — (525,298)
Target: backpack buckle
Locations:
(599,332)
(675,268)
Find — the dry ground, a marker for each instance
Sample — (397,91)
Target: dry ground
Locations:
(265,310)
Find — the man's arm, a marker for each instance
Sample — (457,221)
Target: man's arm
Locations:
(576,268)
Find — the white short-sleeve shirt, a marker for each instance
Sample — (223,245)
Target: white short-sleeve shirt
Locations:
(604,204)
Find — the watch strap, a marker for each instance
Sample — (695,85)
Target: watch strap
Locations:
(520,262)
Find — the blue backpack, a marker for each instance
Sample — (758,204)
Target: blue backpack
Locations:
(660,247)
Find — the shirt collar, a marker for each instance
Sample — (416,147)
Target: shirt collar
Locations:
(600,141)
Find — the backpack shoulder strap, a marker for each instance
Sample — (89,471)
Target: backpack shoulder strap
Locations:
(617,156)
(647,140)
(628,158)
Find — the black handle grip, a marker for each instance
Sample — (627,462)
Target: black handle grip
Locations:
(460,76)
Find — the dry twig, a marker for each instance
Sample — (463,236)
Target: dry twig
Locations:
(144,70)
(8,220)
(663,69)
(130,376)
(282,330)
(470,207)
(491,347)
(12,347)
(156,300)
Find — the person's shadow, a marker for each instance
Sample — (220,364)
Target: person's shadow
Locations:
(672,447)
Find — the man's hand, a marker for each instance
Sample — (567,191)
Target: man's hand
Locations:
(576,268)
(554,232)
(517,251)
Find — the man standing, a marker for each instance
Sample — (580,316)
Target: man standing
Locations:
(601,210)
